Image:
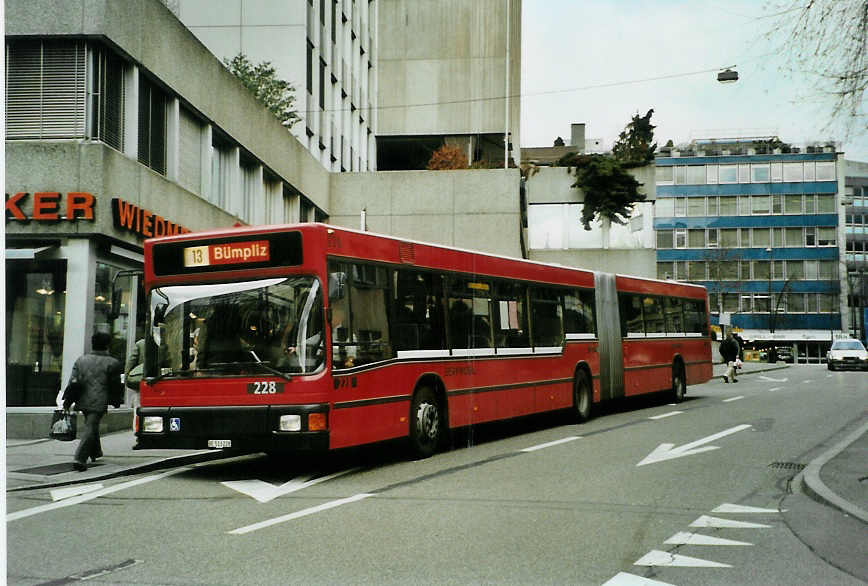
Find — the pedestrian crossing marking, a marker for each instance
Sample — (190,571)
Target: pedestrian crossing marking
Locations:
(730,508)
(708,521)
(688,538)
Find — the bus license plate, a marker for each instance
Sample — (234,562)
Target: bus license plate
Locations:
(219,443)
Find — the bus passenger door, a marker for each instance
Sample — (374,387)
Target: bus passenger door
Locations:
(609,334)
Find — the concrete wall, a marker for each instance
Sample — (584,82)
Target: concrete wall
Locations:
(476,209)
(168,50)
(621,250)
(449,54)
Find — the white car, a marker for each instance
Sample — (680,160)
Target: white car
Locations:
(847,354)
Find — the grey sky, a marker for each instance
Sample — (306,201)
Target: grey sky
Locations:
(573,44)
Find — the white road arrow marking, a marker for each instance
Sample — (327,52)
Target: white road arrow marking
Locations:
(729,508)
(733,399)
(264,492)
(550,444)
(64,493)
(687,538)
(706,521)
(775,380)
(300,514)
(627,579)
(670,414)
(669,451)
(662,558)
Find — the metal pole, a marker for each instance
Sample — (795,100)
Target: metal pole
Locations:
(506,82)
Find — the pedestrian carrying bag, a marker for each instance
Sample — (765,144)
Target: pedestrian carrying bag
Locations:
(63,425)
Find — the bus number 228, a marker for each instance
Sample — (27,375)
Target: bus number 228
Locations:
(264,388)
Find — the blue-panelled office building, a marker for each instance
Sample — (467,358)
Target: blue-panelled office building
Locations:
(758,223)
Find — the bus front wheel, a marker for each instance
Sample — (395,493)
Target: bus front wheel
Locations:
(427,423)
(582,397)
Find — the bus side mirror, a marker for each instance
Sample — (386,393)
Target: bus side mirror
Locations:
(116,304)
(160,313)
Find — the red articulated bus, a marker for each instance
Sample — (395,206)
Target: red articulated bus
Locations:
(314,337)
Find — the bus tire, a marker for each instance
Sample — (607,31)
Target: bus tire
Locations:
(427,423)
(679,384)
(582,397)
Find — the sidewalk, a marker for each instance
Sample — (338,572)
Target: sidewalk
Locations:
(47,463)
(838,478)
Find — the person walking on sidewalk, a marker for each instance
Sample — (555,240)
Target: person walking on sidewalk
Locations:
(729,352)
(99,377)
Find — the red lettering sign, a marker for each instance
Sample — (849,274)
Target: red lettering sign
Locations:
(143,222)
(47,206)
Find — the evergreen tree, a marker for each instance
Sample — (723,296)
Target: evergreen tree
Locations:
(635,146)
(276,94)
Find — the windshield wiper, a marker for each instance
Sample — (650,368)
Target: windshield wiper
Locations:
(263,365)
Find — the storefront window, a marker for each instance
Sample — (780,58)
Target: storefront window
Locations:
(35,306)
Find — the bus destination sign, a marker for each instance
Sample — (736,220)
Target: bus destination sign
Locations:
(227,254)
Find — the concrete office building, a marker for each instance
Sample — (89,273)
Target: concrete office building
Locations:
(113,137)
(855,225)
(448,70)
(387,81)
(758,222)
(327,49)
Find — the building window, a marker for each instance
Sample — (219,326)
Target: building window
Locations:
(809,171)
(810,236)
(728,205)
(761,237)
(712,238)
(309,67)
(825,171)
(793,171)
(777,172)
(760,173)
(744,205)
(322,98)
(792,204)
(190,134)
(777,204)
(826,236)
(759,204)
(665,239)
(663,175)
(108,98)
(696,175)
(45,89)
(152,125)
(825,204)
(729,237)
(681,238)
(711,174)
(696,238)
(696,206)
(221,172)
(680,207)
(744,173)
(728,174)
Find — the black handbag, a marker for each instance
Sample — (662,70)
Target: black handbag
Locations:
(63,425)
(72,392)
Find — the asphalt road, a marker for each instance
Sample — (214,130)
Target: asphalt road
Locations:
(630,495)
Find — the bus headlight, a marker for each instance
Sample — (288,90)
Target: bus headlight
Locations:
(152,424)
(290,423)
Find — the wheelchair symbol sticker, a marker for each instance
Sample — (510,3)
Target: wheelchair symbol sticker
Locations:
(175,424)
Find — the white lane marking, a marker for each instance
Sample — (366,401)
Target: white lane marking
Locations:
(807,382)
(773,389)
(670,414)
(775,380)
(730,508)
(733,399)
(550,444)
(264,491)
(717,522)
(688,538)
(63,493)
(299,514)
(627,579)
(661,558)
(669,451)
(92,495)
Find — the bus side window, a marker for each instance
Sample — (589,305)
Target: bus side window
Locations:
(632,324)
(579,315)
(339,303)
(674,317)
(510,316)
(418,322)
(695,318)
(546,318)
(369,332)
(653,309)
(470,314)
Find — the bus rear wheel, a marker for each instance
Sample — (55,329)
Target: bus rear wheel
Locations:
(582,397)
(679,384)
(427,423)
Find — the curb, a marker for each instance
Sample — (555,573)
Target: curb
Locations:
(171,462)
(809,478)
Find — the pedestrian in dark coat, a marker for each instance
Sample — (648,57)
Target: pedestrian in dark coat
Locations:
(729,352)
(98,375)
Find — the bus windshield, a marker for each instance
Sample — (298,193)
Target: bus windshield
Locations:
(269,325)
